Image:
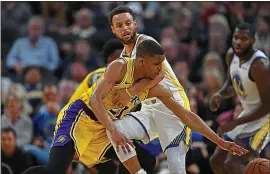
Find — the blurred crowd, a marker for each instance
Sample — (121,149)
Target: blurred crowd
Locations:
(47,49)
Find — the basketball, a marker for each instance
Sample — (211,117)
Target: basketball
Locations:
(258,166)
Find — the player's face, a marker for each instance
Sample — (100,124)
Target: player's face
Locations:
(124,27)
(242,42)
(152,65)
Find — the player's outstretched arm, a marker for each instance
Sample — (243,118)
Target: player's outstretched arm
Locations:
(192,120)
(114,74)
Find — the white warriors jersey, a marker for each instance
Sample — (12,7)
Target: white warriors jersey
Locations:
(243,83)
(170,79)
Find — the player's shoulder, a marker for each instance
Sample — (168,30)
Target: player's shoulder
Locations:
(261,61)
(146,37)
(117,67)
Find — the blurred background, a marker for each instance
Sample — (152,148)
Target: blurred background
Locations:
(36,83)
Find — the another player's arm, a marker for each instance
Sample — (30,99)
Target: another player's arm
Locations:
(192,120)
(145,84)
(227,90)
(188,117)
(260,72)
(114,73)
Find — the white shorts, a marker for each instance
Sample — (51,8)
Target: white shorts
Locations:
(255,134)
(156,120)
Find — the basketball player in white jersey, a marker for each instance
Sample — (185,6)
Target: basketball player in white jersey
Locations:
(249,74)
(154,118)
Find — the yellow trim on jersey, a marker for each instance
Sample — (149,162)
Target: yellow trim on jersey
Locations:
(104,151)
(126,75)
(260,135)
(71,133)
(185,100)
(84,84)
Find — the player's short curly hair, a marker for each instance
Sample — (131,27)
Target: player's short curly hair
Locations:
(119,10)
(149,48)
(110,47)
(247,26)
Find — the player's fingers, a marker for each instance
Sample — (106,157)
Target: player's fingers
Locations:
(127,148)
(124,149)
(130,143)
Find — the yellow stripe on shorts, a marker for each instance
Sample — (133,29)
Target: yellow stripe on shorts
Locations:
(104,151)
(260,135)
(74,124)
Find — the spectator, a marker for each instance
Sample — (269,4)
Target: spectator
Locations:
(219,32)
(213,80)
(16,119)
(34,49)
(47,111)
(33,85)
(78,72)
(14,17)
(44,123)
(170,47)
(14,160)
(213,60)
(83,28)
(66,89)
(263,35)
(85,54)
(181,70)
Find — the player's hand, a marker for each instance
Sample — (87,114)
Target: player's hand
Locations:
(120,98)
(215,102)
(226,127)
(121,140)
(233,148)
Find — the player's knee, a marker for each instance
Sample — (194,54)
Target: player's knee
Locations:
(229,163)
(215,161)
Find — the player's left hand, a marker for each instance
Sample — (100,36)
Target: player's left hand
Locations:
(233,148)
(226,127)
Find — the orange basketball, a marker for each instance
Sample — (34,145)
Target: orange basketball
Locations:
(258,166)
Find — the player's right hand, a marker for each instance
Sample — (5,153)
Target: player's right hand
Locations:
(120,140)
(233,148)
(215,102)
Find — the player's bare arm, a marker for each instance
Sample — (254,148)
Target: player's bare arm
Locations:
(261,74)
(192,120)
(114,74)
(226,90)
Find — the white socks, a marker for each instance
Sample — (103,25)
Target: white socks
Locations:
(141,171)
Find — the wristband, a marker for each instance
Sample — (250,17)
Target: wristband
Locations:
(220,143)
(128,93)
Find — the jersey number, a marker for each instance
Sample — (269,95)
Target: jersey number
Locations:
(119,113)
